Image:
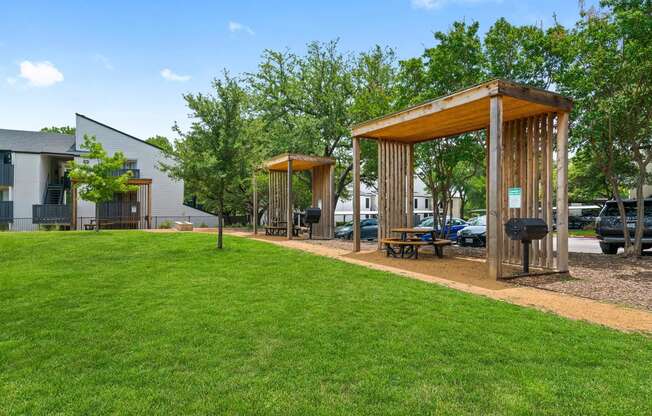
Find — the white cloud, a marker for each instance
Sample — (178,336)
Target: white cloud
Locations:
(104,61)
(239,27)
(171,76)
(40,74)
(437,4)
(11,81)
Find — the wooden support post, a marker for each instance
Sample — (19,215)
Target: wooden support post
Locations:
(494,210)
(290,216)
(486,182)
(548,192)
(73,220)
(356,194)
(331,201)
(562,192)
(149,205)
(254,209)
(410,185)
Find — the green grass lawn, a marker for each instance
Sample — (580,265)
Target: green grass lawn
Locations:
(581,233)
(142,323)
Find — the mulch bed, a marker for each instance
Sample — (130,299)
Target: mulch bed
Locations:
(609,278)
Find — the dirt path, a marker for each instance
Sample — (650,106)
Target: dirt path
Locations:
(465,274)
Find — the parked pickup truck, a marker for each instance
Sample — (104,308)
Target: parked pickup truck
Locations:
(609,229)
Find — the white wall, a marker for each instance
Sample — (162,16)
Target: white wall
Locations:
(29,183)
(167,194)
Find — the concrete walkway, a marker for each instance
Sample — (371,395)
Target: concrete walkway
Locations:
(611,315)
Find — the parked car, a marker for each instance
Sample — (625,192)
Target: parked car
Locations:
(609,229)
(452,227)
(368,230)
(475,234)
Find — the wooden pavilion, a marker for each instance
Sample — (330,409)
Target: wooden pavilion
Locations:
(127,210)
(281,202)
(521,123)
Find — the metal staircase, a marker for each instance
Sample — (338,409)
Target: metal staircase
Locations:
(54,194)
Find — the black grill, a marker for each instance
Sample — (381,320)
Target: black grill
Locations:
(312,217)
(526,230)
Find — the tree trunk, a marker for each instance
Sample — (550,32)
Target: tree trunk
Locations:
(640,211)
(623,215)
(220,224)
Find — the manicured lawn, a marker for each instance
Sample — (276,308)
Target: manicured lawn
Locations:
(581,233)
(140,323)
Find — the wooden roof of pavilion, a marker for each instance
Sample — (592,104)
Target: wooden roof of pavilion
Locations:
(461,112)
(299,162)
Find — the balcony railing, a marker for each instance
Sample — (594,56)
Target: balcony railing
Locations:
(51,214)
(135,173)
(6,212)
(6,174)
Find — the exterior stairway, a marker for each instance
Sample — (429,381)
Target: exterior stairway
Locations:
(54,194)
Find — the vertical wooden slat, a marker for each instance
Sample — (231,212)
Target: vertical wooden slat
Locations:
(506,182)
(548,185)
(535,187)
(530,174)
(494,232)
(381,190)
(562,192)
(356,194)
(290,216)
(255,203)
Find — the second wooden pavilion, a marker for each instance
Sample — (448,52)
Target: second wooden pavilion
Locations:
(280,210)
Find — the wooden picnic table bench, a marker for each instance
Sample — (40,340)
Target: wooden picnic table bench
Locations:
(437,243)
(280,230)
(396,247)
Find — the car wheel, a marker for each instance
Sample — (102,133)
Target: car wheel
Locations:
(349,236)
(608,248)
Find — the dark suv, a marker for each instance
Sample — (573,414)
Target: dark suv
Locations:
(609,228)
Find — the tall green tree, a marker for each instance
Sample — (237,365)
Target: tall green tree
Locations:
(161,142)
(61,130)
(609,75)
(96,181)
(455,62)
(212,156)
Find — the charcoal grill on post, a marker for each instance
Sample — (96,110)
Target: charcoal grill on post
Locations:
(312,217)
(526,230)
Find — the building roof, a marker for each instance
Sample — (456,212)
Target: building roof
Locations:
(299,162)
(37,142)
(462,112)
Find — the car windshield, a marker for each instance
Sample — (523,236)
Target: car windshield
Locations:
(611,209)
(482,220)
(426,223)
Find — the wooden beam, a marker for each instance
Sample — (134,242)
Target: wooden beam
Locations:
(494,232)
(535,95)
(441,104)
(356,194)
(562,192)
(290,217)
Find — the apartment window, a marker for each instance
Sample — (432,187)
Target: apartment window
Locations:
(131,164)
(427,203)
(367,203)
(416,203)
(5,158)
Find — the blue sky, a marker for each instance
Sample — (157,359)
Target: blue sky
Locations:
(126,63)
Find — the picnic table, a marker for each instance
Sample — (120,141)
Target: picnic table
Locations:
(409,246)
